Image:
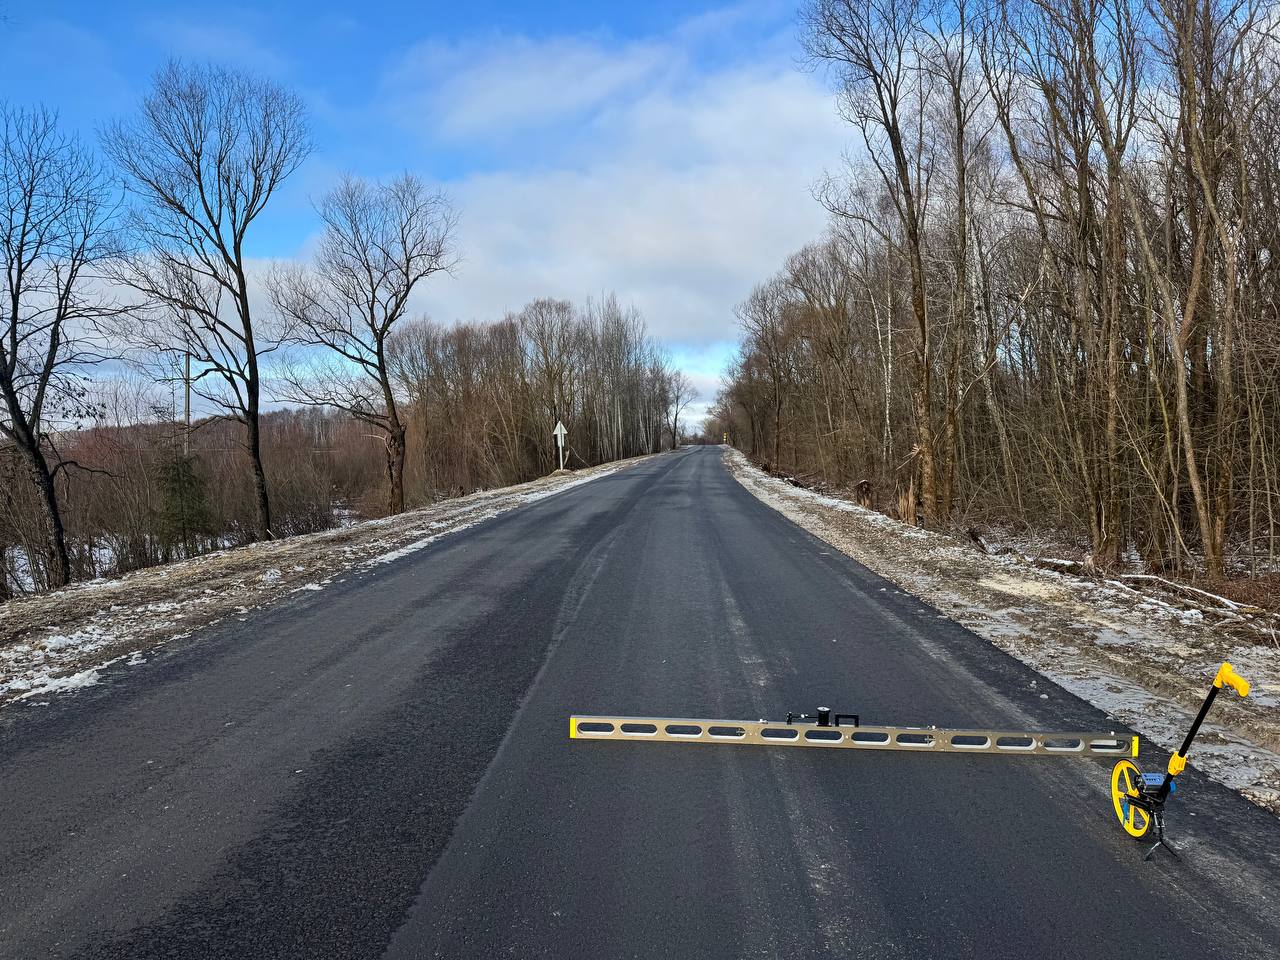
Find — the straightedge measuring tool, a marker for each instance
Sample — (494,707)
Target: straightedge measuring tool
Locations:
(1137,798)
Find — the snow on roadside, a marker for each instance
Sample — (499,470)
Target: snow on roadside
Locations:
(569,485)
(442,528)
(1142,660)
(57,642)
(480,517)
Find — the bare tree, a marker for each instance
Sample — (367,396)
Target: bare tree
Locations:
(207,152)
(549,328)
(680,393)
(483,398)
(872,47)
(761,318)
(1097,188)
(380,242)
(56,203)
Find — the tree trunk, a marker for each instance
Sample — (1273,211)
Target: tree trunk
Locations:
(924,361)
(928,474)
(395,468)
(58,573)
(254,432)
(777,426)
(923,388)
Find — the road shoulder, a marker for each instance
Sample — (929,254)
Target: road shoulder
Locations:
(1143,662)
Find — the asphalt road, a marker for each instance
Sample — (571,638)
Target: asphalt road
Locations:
(383,769)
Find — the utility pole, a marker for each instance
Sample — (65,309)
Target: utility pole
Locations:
(186,404)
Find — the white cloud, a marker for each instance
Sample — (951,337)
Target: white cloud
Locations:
(510,85)
(238,42)
(630,168)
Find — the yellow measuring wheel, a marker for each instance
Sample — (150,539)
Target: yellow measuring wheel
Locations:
(1138,798)
(1125,777)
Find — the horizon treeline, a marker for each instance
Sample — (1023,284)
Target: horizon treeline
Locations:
(132,257)
(479,402)
(1048,295)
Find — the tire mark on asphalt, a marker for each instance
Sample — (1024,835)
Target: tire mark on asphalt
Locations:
(820,850)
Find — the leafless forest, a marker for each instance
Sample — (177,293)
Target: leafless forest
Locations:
(316,391)
(1048,296)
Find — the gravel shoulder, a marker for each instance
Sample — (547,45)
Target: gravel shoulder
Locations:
(1142,660)
(55,642)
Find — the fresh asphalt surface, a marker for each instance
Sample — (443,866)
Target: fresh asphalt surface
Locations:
(383,769)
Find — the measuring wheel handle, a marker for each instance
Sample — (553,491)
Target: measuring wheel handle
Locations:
(1227,676)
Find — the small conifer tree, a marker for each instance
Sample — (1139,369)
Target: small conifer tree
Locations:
(185,518)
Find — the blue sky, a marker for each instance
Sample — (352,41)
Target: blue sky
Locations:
(661,150)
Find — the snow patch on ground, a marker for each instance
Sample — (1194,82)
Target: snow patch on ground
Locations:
(76,681)
(1022,587)
(1144,661)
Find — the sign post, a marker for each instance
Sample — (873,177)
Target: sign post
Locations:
(560,433)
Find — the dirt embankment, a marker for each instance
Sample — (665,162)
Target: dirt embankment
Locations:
(59,641)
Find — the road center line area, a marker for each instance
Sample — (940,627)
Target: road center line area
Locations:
(383,769)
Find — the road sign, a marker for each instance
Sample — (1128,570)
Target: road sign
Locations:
(560,433)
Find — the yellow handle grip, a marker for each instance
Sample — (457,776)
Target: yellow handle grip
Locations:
(1227,676)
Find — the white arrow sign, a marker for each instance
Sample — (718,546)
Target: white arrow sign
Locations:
(560,433)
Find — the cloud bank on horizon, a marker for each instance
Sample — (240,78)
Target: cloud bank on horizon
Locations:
(669,162)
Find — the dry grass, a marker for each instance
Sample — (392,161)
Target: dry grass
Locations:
(1261,591)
